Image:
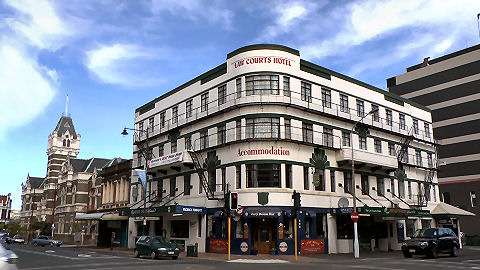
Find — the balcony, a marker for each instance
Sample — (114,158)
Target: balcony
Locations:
(369,159)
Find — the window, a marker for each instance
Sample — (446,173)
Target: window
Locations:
(405,156)
(434,193)
(426,126)
(430,160)
(328,137)
(360,108)
(418,157)
(238,129)
(402,121)
(150,124)
(161,151)
(347,182)
(288,176)
(446,197)
(139,159)
(263,127)
(409,189)
(380,186)
(212,180)
(391,149)
(375,115)
(179,228)
(175,115)
(221,134)
(319,180)
(224,178)
(365,185)
(307,132)
(188,142)
(262,85)
(173,147)
(140,129)
(204,102)
(263,175)
(203,139)
(238,175)
(286,86)
(415,126)
(239,87)
(392,186)
(401,189)
(173,186)
(345,139)
(326,98)
(332,181)
(288,129)
(222,94)
(362,142)
(389,117)
(306,183)
(162,119)
(344,103)
(378,146)
(473,199)
(186,185)
(306,91)
(189,108)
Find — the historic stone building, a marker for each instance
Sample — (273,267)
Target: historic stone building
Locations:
(5,208)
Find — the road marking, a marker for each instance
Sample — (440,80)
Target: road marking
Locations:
(257,261)
(47,254)
(84,255)
(93,265)
(50,251)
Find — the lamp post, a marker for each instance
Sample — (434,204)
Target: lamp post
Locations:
(356,251)
(145,155)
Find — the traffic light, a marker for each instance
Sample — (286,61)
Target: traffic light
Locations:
(296,201)
(233,201)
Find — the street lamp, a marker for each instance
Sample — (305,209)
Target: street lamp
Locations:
(145,155)
(355,224)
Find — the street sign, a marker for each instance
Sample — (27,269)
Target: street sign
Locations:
(239,210)
(354,216)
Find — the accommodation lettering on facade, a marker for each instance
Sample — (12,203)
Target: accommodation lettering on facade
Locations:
(265,128)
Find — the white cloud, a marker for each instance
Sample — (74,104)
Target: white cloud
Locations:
(24,92)
(118,63)
(371,20)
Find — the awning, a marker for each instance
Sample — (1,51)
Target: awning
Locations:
(89,216)
(445,209)
(262,212)
(113,216)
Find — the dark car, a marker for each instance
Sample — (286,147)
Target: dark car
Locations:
(155,246)
(43,240)
(431,242)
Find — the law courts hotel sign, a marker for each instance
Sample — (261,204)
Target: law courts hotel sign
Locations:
(263,60)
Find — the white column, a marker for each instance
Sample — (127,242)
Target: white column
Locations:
(332,234)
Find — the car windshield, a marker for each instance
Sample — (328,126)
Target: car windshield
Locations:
(425,233)
(160,239)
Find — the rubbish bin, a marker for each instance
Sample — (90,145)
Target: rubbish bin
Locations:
(190,250)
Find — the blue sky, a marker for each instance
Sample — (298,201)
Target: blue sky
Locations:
(112,56)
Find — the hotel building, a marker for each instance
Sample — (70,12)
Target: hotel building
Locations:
(264,124)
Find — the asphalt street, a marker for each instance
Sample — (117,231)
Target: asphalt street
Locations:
(40,258)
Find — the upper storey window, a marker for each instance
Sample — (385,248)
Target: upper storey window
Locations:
(262,85)
(286,86)
(344,103)
(263,127)
(389,117)
(326,98)
(306,90)
(222,94)
(204,102)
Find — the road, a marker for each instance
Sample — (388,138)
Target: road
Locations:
(43,258)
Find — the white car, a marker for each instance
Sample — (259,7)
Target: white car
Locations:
(8,259)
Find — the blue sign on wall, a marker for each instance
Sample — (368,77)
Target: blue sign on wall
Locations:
(190,209)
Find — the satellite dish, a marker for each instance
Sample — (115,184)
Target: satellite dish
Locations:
(343,202)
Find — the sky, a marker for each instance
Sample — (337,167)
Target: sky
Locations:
(112,56)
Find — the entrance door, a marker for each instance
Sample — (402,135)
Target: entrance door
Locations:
(265,235)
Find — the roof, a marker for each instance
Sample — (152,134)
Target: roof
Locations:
(88,165)
(3,198)
(35,182)
(65,123)
(446,209)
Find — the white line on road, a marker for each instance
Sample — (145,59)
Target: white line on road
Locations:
(257,261)
(46,254)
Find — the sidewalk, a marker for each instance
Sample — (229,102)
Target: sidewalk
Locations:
(288,258)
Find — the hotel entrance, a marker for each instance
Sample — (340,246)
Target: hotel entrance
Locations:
(264,234)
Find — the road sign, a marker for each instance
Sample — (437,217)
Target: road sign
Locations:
(239,210)
(354,216)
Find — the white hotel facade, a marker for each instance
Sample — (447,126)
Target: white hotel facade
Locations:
(264,124)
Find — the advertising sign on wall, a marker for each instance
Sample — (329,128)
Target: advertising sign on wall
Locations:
(218,245)
(312,246)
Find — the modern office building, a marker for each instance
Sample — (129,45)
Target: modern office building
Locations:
(267,123)
(450,87)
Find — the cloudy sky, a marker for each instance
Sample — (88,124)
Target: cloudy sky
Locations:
(112,56)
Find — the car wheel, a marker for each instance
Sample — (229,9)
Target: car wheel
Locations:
(174,257)
(136,254)
(35,244)
(51,244)
(454,252)
(58,245)
(407,254)
(153,255)
(434,253)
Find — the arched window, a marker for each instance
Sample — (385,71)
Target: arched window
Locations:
(68,143)
(64,142)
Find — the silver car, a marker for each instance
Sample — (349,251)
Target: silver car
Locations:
(8,259)
(43,240)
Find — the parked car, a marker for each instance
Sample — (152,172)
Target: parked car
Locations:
(8,259)
(155,246)
(43,240)
(431,242)
(17,239)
